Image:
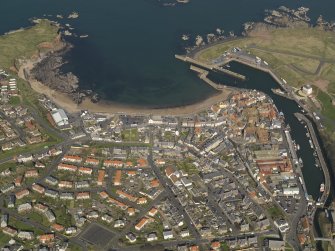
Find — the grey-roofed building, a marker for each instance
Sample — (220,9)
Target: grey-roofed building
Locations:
(4,220)
(11,201)
(51,180)
(50,216)
(82,184)
(276,245)
(66,196)
(26,235)
(60,117)
(168,234)
(131,237)
(51,193)
(7,188)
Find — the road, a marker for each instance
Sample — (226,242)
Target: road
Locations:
(43,123)
(192,241)
(165,183)
(114,241)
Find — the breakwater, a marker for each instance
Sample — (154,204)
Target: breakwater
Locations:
(211,67)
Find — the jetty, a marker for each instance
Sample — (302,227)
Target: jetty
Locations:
(281,93)
(325,194)
(210,67)
(203,75)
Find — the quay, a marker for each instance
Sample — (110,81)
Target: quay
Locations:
(292,150)
(281,93)
(323,163)
(203,76)
(332,241)
(296,162)
(210,67)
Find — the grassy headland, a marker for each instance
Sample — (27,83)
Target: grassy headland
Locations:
(26,43)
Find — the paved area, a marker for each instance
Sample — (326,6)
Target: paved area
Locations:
(97,235)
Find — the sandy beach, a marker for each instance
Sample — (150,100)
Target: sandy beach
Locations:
(64,101)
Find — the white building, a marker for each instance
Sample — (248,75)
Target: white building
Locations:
(290,191)
(71,230)
(107,218)
(185,233)
(282,226)
(307,89)
(60,117)
(186,182)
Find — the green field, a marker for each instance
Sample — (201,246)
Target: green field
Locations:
(130,135)
(187,166)
(14,100)
(275,212)
(10,165)
(4,239)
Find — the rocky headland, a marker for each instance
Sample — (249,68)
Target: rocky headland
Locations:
(45,67)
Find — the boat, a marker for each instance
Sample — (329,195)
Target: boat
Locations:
(300,160)
(227,66)
(322,187)
(311,144)
(298,147)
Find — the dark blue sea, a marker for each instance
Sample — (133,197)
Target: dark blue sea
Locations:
(129,54)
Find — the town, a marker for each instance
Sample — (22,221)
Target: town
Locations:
(226,178)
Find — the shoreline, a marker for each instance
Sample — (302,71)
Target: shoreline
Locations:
(107,107)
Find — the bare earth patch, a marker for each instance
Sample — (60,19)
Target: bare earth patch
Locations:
(322,84)
(261,32)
